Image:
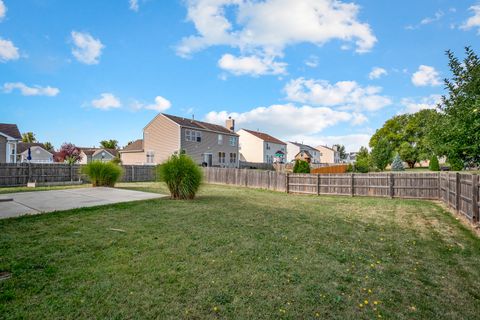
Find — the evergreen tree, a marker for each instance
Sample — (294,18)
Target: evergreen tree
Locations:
(434,165)
(397,164)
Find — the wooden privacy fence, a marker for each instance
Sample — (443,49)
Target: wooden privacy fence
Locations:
(431,186)
(18,174)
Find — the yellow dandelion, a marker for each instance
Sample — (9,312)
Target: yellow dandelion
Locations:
(369,290)
(361,305)
(366,302)
(215,309)
(317,314)
(375,302)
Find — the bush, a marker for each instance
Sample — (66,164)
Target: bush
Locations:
(102,174)
(350,168)
(434,165)
(362,165)
(397,164)
(301,167)
(182,176)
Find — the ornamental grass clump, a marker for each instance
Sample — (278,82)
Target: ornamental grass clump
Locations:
(102,174)
(182,176)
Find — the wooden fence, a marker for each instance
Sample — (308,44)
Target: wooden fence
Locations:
(19,174)
(432,186)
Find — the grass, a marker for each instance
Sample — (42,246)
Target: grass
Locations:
(241,254)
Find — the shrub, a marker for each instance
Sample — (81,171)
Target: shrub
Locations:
(301,167)
(362,165)
(434,165)
(116,160)
(102,174)
(397,164)
(350,168)
(182,176)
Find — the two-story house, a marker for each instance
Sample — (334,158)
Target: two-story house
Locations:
(261,147)
(329,155)
(206,143)
(297,150)
(97,154)
(9,138)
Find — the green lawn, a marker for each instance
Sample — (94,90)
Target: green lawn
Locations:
(241,254)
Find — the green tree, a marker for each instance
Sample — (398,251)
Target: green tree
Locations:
(434,165)
(341,151)
(48,146)
(409,153)
(382,154)
(397,164)
(301,167)
(363,160)
(29,137)
(109,144)
(457,132)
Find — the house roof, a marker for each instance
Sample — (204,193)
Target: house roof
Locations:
(264,136)
(191,123)
(92,151)
(301,145)
(23,146)
(136,145)
(306,152)
(326,148)
(10,130)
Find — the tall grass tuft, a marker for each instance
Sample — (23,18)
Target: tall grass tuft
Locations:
(182,176)
(102,174)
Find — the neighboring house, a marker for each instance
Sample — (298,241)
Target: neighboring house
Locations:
(294,148)
(260,147)
(304,155)
(206,143)
(9,138)
(329,155)
(38,153)
(97,154)
(351,157)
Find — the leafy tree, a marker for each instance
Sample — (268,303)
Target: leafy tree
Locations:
(457,132)
(341,151)
(434,165)
(29,137)
(109,144)
(382,154)
(48,146)
(301,167)
(363,160)
(68,153)
(397,164)
(408,153)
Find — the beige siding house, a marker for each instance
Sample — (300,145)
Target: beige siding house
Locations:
(97,154)
(329,155)
(9,138)
(208,144)
(261,147)
(295,150)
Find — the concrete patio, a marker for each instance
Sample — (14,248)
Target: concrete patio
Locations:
(35,202)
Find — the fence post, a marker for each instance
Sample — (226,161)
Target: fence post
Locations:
(71,171)
(392,182)
(352,185)
(29,172)
(246,177)
(133,173)
(287,178)
(439,181)
(318,184)
(475,206)
(457,192)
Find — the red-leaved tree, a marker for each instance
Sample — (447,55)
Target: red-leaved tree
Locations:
(68,153)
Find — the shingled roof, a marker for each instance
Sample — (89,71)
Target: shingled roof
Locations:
(10,130)
(265,136)
(135,146)
(22,146)
(195,124)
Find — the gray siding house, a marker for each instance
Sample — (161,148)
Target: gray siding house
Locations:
(9,138)
(38,153)
(97,154)
(208,144)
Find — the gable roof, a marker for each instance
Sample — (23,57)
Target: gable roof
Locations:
(301,145)
(305,152)
(325,148)
(264,136)
(135,146)
(195,124)
(23,146)
(93,151)
(10,130)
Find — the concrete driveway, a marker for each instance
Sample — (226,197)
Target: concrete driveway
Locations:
(36,202)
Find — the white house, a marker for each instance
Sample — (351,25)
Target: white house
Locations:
(38,153)
(329,155)
(295,148)
(260,147)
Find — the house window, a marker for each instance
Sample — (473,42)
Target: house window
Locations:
(220,139)
(233,157)
(192,135)
(150,157)
(268,146)
(233,141)
(221,157)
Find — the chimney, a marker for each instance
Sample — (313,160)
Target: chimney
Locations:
(230,124)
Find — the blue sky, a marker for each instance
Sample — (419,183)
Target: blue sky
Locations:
(317,71)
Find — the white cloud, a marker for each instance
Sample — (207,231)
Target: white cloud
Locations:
(312,61)
(8,51)
(352,142)
(30,91)
(377,72)
(87,49)
(251,65)
(438,15)
(411,105)
(271,25)
(106,101)
(426,76)
(161,104)
(473,21)
(133,5)
(343,94)
(278,119)
(3,10)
